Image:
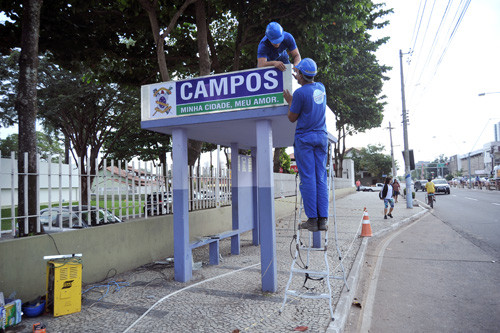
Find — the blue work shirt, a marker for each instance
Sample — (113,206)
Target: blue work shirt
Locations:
(309,101)
(271,53)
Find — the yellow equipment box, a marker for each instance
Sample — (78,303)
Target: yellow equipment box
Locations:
(64,286)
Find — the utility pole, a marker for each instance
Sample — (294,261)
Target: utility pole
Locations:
(392,152)
(409,190)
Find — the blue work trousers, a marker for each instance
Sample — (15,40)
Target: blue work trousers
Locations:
(311,150)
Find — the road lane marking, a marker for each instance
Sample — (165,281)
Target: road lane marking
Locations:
(494,203)
(471,198)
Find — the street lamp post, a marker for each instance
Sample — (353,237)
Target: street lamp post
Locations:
(392,152)
(409,190)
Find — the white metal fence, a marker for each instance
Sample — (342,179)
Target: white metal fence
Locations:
(118,191)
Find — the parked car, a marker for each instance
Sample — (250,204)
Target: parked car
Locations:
(366,188)
(156,203)
(420,185)
(441,186)
(58,218)
(377,187)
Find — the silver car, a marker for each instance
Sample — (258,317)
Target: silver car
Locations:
(55,219)
(441,186)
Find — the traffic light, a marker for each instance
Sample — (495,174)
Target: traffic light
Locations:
(412,160)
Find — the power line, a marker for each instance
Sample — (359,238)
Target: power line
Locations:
(429,56)
(454,25)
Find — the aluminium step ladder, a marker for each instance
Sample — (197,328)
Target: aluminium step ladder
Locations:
(310,249)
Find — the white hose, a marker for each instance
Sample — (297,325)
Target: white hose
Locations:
(186,288)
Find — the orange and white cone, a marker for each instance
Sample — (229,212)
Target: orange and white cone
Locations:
(366,230)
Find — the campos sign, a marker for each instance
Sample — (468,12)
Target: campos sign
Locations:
(256,88)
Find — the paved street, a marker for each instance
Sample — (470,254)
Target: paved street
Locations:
(474,214)
(438,274)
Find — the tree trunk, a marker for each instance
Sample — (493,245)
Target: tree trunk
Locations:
(228,160)
(339,152)
(201,26)
(27,108)
(237,48)
(214,58)
(276,160)
(150,8)
(67,148)
(194,147)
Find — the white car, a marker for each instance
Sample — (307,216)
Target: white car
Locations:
(441,185)
(376,188)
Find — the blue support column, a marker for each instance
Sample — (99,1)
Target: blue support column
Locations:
(256,226)
(265,188)
(182,252)
(214,253)
(317,239)
(235,240)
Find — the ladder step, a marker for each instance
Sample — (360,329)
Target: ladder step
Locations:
(310,272)
(312,248)
(307,294)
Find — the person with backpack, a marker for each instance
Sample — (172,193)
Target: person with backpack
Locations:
(386,194)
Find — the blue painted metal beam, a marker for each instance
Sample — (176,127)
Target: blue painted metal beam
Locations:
(256,227)
(265,189)
(235,240)
(182,251)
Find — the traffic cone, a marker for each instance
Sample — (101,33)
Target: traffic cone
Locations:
(366,230)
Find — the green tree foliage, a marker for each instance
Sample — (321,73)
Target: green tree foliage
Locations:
(87,112)
(285,162)
(116,41)
(372,160)
(48,146)
(341,44)
(9,69)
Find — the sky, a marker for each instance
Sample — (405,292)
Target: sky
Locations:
(446,115)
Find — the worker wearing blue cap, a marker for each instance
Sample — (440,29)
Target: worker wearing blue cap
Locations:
(274,48)
(307,107)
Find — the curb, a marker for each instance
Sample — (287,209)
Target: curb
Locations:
(343,306)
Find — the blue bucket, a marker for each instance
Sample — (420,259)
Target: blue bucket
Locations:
(33,310)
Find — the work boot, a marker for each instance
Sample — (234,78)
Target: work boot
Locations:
(311,225)
(322,223)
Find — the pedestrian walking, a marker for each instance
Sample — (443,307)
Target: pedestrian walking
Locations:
(307,107)
(388,199)
(358,185)
(396,187)
(275,47)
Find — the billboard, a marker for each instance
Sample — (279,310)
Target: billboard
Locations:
(248,89)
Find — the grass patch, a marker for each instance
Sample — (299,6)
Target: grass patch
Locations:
(127,208)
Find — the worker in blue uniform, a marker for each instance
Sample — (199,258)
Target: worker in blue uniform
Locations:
(307,106)
(275,47)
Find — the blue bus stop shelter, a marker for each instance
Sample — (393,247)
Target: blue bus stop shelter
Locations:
(243,110)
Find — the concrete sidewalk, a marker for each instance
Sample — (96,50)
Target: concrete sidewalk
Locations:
(426,277)
(228,297)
